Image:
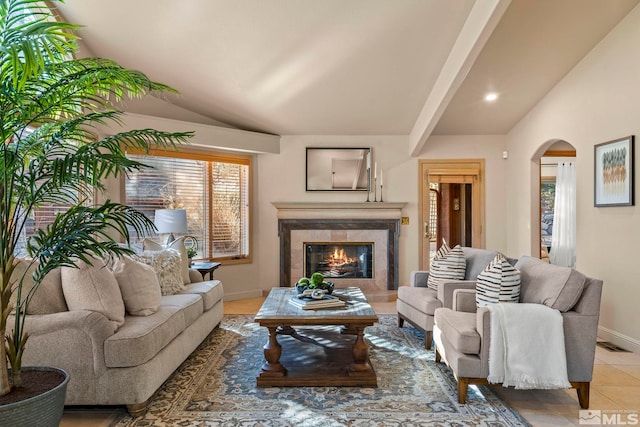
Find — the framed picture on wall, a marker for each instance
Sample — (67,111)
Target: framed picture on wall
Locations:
(614,173)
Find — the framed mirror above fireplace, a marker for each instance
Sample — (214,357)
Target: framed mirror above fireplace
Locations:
(338,168)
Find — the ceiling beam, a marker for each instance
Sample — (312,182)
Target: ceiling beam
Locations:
(480,23)
(206,136)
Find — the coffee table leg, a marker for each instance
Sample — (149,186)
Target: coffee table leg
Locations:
(360,365)
(272,351)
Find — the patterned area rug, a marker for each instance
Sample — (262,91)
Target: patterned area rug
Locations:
(216,386)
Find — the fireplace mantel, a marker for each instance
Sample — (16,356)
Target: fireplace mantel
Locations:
(320,210)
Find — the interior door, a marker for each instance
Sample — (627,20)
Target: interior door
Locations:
(463,181)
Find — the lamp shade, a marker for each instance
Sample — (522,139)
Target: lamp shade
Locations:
(171,220)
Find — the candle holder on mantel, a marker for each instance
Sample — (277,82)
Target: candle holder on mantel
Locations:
(368,183)
(375,188)
(381,193)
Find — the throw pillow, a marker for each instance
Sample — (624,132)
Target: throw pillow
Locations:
(48,298)
(93,288)
(498,282)
(178,244)
(167,265)
(448,264)
(139,286)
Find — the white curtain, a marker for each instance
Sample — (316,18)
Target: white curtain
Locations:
(563,236)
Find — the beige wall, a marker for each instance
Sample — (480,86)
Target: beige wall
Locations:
(596,102)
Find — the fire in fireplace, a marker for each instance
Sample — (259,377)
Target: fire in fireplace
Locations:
(339,260)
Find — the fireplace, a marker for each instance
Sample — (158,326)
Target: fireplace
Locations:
(337,223)
(339,260)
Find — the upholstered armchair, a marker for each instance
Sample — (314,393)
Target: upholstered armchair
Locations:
(462,332)
(417,303)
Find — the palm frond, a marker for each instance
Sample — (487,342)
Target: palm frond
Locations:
(83,232)
(30,40)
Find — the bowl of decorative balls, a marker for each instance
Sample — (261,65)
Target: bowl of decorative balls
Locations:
(316,281)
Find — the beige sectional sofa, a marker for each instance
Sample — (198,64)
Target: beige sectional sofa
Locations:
(120,365)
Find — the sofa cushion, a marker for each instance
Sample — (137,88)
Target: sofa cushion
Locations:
(178,245)
(139,286)
(48,298)
(446,265)
(93,288)
(190,304)
(211,292)
(498,282)
(552,285)
(424,300)
(460,329)
(142,337)
(167,264)
(477,260)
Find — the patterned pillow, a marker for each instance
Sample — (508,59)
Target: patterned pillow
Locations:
(448,264)
(498,282)
(167,264)
(178,245)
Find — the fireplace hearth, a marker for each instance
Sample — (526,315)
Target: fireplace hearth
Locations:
(339,260)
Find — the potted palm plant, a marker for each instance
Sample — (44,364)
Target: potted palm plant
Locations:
(50,105)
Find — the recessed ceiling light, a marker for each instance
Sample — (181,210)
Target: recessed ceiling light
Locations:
(491,96)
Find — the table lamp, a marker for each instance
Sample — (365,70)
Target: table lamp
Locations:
(171,221)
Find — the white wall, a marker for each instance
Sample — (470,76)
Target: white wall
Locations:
(597,101)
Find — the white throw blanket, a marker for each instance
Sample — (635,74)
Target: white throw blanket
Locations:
(527,347)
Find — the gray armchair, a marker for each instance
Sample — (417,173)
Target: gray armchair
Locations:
(461,333)
(417,304)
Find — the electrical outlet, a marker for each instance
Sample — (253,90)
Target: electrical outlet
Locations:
(404,220)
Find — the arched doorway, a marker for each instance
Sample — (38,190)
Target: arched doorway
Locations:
(545,163)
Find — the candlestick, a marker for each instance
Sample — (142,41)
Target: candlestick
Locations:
(375,193)
(368,183)
(369,161)
(381,190)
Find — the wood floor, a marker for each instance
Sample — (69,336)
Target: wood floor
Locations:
(614,390)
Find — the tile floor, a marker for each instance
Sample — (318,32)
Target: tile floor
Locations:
(615,389)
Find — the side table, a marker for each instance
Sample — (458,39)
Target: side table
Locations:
(206,267)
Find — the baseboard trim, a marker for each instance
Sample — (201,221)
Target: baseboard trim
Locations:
(619,339)
(233,296)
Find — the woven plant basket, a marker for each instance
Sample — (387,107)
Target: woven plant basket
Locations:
(43,410)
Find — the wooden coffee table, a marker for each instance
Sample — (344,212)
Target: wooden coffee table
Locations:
(321,350)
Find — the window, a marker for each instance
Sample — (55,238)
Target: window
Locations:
(214,190)
(41,216)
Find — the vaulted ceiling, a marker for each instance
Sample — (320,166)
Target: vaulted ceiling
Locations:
(357,67)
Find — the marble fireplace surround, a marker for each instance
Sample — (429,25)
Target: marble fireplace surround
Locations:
(376,222)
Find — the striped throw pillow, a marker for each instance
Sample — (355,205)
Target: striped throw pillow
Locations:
(498,282)
(448,264)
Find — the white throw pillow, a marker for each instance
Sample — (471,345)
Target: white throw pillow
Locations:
(139,286)
(94,288)
(448,264)
(167,265)
(498,282)
(178,244)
